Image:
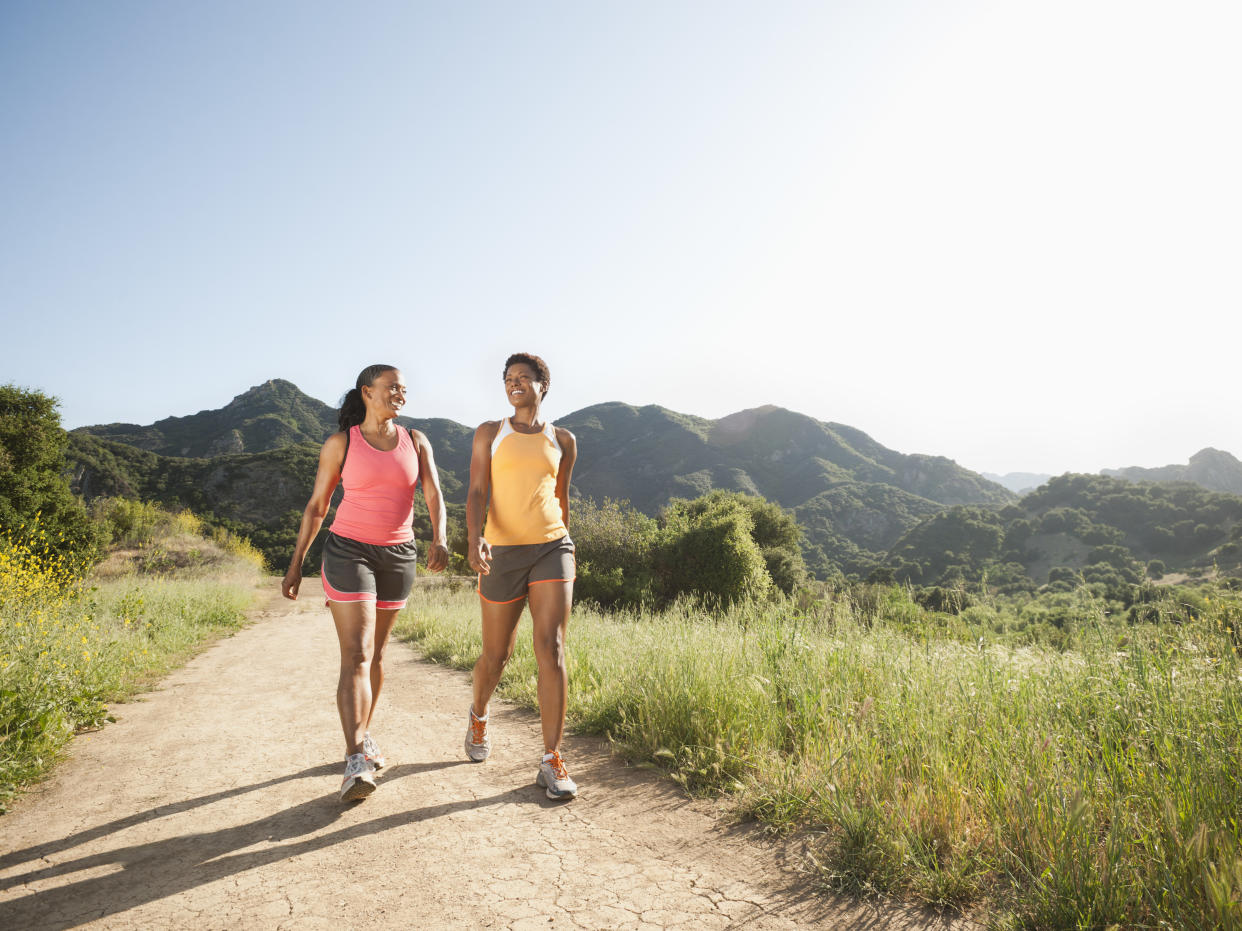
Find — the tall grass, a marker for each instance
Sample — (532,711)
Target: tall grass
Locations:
(69,645)
(928,758)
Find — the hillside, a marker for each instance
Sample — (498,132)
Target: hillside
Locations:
(1078,526)
(1214,469)
(250,466)
(853,496)
(268,416)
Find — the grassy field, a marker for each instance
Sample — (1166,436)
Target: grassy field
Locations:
(938,757)
(70,645)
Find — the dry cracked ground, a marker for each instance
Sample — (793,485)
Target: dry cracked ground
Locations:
(212,804)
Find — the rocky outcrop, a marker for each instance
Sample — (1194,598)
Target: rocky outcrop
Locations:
(1213,469)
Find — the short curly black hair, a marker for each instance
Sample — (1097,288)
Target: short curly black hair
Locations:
(540,367)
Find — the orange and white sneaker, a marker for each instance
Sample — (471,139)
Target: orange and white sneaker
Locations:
(371,750)
(359,781)
(555,778)
(478,744)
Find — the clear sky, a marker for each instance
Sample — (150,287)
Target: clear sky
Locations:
(1006,233)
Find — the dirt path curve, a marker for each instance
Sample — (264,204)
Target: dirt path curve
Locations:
(212,804)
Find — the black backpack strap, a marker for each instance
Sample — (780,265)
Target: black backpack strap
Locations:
(347,433)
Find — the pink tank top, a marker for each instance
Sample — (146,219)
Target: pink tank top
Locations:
(378,506)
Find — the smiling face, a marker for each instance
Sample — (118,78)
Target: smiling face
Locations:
(385,396)
(522,385)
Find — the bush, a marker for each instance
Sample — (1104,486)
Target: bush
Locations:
(775,531)
(125,522)
(1116,556)
(945,600)
(35,500)
(710,551)
(614,544)
(725,547)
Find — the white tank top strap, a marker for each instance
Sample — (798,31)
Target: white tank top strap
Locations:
(505,429)
(549,430)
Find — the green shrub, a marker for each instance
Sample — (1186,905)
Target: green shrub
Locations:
(35,500)
(710,551)
(614,544)
(126,522)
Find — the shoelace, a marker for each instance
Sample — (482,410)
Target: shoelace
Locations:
(478,729)
(557,766)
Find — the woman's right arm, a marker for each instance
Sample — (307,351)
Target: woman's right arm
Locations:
(331,458)
(478,552)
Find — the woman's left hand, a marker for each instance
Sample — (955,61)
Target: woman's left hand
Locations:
(437,557)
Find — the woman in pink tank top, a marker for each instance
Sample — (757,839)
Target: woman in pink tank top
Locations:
(370,554)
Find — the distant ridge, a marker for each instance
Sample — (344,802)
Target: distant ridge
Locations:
(1018,482)
(274,414)
(1214,469)
(651,454)
(251,463)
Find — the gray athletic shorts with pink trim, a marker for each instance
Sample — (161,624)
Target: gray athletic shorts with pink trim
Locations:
(516,568)
(354,571)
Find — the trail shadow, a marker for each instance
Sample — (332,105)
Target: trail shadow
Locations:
(161,868)
(159,811)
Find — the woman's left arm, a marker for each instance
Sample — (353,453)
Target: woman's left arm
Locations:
(569,454)
(437,553)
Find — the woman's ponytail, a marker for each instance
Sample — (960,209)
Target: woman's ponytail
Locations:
(353,408)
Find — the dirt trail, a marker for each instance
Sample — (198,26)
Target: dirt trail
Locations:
(212,804)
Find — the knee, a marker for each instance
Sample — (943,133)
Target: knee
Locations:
(356,658)
(494,661)
(550,649)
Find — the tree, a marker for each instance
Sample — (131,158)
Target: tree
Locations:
(614,544)
(708,549)
(33,489)
(774,530)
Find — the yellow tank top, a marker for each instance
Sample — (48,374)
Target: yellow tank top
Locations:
(524,508)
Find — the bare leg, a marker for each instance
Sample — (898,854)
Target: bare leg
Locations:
(499,632)
(384,620)
(550,603)
(355,629)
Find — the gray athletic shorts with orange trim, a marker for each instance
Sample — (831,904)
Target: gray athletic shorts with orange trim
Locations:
(354,571)
(516,568)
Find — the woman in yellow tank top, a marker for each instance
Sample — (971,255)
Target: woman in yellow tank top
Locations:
(520,469)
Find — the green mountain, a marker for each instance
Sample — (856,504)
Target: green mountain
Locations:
(853,496)
(250,466)
(1077,525)
(1212,468)
(268,416)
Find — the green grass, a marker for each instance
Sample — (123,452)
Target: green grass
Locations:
(70,646)
(929,758)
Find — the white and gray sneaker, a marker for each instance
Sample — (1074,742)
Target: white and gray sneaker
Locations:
(555,778)
(371,750)
(359,781)
(478,744)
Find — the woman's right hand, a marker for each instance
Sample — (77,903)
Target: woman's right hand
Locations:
(480,557)
(289,585)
